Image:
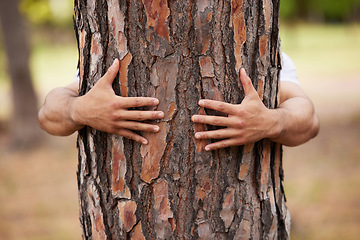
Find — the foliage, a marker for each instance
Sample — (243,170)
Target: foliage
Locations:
(59,12)
(321,10)
(48,12)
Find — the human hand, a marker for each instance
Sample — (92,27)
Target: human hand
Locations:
(247,122)
(103,110)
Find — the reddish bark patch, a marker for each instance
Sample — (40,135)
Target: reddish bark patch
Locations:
(246,161)
(263,45)
(82,37)
(124,64)
(243,232)
(94,209)
(118,181)
(268,10)
(237,21)
(202,22)
(95,45)
(206,67)
(172,110)
(244,169)
(265,169)
(204,231)
(227,212)
(210,90)
(164,222)
(99,224)
(137,233)
(248,148)
(157,13)
(261,88)
(200,127)
(204,187)
(117,26)
(118,167)
(127,214)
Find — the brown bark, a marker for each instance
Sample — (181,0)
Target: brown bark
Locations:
(25,131)
(180,52)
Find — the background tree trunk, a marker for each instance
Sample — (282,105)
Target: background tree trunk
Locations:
(24,127)
(180,52)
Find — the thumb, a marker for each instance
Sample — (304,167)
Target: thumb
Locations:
(246,83)
(110,75)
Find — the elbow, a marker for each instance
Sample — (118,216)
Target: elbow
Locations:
(46,124)
(311,132)
(42,119)
(315,127)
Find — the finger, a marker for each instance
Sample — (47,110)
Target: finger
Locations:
(223,144)
(138,126)
(218,106)
(246,83)
(217,134)
(130,102)
(131,135)
(212,120)
(141,115)
(110,74)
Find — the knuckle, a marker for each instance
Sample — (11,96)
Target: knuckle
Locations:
(115,116)
(223,145)
(137,102)
(113,129)
(137,126)
(218,135)
(115,105)
(239,124)
(240,111)
(141,116)
(240,141)
(221,106)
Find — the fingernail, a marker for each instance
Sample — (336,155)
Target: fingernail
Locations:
(194,118)
(156,101)
(197,135)
(207,148)
(144,142)
(201,102)
(161,115)
(156,128)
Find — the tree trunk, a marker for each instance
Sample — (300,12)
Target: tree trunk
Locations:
(180,52)
(24,128)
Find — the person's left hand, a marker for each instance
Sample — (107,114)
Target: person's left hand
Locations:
(247,122)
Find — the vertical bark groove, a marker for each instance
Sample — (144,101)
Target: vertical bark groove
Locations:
(180,52)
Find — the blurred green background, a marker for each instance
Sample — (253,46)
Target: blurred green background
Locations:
(38,191)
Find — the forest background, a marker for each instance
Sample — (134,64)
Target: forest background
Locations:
(38,190)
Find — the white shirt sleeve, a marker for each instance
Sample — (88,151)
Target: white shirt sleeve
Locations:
(77,75)
(288,71)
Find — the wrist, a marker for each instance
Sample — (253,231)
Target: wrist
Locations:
(276,128)
(75,111)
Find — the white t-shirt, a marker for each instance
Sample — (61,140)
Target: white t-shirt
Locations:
(287,73)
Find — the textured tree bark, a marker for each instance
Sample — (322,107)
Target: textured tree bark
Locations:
(180,52)
(24,125)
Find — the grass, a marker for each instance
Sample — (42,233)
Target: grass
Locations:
(38,192)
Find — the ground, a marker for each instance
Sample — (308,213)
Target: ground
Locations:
(38,190)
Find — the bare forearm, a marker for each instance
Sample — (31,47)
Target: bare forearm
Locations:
(296,122)
(55,115)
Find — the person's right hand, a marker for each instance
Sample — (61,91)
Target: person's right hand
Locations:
(103,110)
